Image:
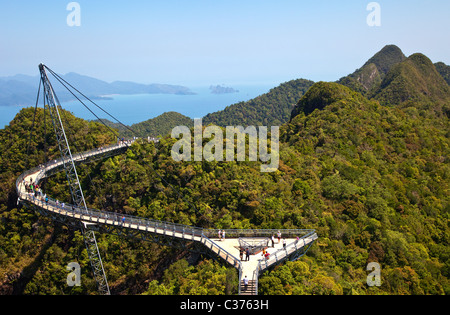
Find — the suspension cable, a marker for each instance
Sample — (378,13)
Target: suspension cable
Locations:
(64,82)
(59,78)
(32,126)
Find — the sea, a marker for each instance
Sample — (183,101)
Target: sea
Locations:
(131,109)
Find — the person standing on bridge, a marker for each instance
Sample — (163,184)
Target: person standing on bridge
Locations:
(223,235)
(245,283)
(220,235)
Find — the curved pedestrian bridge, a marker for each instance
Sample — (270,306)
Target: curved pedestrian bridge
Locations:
(296,242)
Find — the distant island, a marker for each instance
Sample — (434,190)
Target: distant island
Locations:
(22,89)
(218,89)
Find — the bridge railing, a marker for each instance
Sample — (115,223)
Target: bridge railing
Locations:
(255,233)
(225,255)
(49,166)
(254,245)
(111,218)
(218,250)
(283,253)
(79,157)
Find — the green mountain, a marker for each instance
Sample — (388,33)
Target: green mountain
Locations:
(271,109)
(161,125)
(443,70)
(394,79)
(374,70)
(413,81)
(320,95)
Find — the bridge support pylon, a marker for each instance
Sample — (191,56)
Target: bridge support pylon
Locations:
(72,178)
(95,259)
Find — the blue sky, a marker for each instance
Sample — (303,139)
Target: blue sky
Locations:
(194,42)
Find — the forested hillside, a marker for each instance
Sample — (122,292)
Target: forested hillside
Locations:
(159,126)
(377,185)
(444,70)
(270,109)
(369,172)
(31,247)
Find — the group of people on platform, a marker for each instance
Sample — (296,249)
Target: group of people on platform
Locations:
(246,251)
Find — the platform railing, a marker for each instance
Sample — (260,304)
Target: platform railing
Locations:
(283,253)
(255,233)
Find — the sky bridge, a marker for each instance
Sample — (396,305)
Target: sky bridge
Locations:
(227,248)
(205,241)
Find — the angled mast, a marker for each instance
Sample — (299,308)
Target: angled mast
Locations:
(69,165)
(74,183)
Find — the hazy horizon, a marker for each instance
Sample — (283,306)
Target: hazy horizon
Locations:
(135,108)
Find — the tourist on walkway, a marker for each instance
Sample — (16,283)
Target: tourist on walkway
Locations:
(245,283)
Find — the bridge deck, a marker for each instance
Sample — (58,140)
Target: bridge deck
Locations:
(249,266)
